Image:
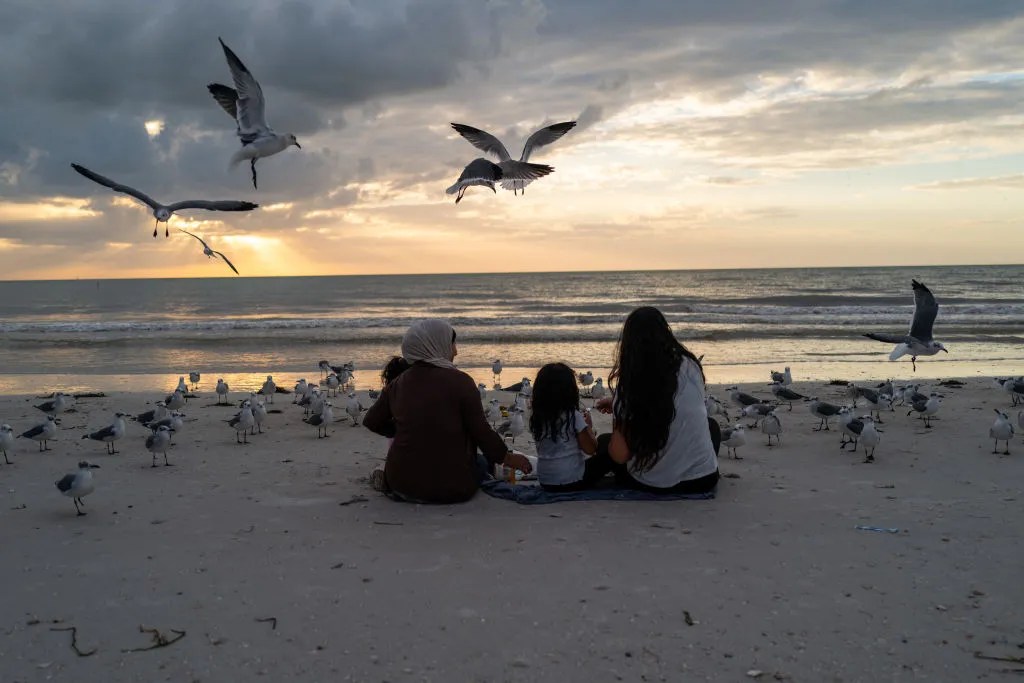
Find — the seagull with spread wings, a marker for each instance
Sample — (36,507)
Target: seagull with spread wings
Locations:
(485,173)
(919,341)
(245,104)
(163,212)
(486,142)
(210,253)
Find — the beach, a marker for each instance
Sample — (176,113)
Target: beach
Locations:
(276,559)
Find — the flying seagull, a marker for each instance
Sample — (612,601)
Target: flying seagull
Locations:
(486,142)
(245,103)
(919,341)
(163,212)
(485,173)
(210,253)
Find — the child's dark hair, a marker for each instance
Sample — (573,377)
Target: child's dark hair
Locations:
(555,398)
(395,367)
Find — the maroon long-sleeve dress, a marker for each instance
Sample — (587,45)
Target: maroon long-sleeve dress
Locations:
(438,423)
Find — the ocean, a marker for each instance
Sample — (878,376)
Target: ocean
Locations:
(108,335)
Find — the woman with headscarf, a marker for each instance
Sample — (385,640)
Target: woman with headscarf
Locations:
(434,414)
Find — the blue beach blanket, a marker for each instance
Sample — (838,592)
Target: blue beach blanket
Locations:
(535,495)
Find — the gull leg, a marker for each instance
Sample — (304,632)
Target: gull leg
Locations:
(252,165)
(80,513)
(156,223)
(166,464)
(5,458)
(913,362)
(154,460)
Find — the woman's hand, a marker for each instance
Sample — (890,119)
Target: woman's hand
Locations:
(604,405)
(587,418)
(519,462)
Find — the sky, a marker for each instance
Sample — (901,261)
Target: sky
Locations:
(735,133)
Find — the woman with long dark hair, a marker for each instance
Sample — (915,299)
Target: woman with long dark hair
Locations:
(662,438)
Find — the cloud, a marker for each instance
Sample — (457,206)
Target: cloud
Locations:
(1013,182)
(734,98)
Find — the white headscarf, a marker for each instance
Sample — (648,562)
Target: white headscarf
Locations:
(429,341)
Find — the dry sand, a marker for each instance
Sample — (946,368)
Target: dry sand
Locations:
(770,577)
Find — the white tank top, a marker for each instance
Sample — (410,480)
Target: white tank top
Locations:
(688,453)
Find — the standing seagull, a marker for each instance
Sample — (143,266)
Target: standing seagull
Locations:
(486,142)
(194,378)
(772,426)
(6,441)
(786,394)
(242,422)
(919,341)
(485,173)
(43,432)
(244,103)
(823,411)
(56,406)
(268,389)
(158,441)
(496,368)
(163,212)
(784,378)
(222,390)
(1001,430)
(78,485)
(210,253)
(110,434)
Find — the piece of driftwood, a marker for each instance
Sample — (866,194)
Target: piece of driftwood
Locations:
(158,639)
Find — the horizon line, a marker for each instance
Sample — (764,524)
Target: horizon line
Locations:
(525,272)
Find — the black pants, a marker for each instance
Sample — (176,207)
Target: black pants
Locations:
(595,469)
(625,479)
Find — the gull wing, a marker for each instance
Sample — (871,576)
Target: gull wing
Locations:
(117,187)
(545,136)
(230,265)
(520,170)
(249,103)
(103,433)
(226,97)
(887,338)
(925,310)
(201,241)
(483,141)
(66,482)
(213,205)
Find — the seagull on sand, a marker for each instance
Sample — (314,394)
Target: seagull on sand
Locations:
(598,391)
(514,426)
(321,420)
(353,408)
(869,438)
(173,421)
(1001,430)
(163,212)
(245,104)
(742,399)
(585,378)
(496,369)
(784,378)
(222,390)
(485,173)
(242,422)
(158,441)
(182,387)
(210,253)
(42,432)
(823,411)
(919,341)
(78,485)
(194,378)
(786,394)
(6,441)
(1014,387)
(851,428)
(150,416)
(110,434)
(486,142)
(56,406)
(268,389)
(733,438)
(772,426)
(927,408)
(259,414)
(174,400)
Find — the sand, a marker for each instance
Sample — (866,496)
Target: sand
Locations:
(770,577)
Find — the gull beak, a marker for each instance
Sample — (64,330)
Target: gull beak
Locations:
(945,350)
(94,467)
(297,144)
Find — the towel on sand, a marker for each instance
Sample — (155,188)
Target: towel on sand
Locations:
(535,495)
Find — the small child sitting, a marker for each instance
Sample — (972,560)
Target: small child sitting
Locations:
(564,435)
